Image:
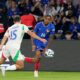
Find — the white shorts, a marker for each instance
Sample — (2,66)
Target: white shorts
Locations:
(13,52)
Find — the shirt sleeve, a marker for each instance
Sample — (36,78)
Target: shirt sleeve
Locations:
(26,29)
(52,29)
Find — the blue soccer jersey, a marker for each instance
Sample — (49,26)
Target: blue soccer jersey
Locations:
(44,32)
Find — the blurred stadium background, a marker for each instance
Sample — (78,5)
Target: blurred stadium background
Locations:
(66,17)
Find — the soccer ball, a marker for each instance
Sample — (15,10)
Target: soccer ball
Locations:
(49,53)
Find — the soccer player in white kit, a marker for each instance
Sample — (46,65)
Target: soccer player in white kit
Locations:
(12,40)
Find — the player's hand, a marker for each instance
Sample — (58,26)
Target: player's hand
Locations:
(33,47)
(45,49)
(44,40)
(1,47)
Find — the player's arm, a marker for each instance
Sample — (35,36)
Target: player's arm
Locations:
(51,36)
(33,46)
(4,40)
(33,35)
(35,31)
(49,42)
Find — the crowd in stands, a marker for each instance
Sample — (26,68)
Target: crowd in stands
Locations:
(65,15)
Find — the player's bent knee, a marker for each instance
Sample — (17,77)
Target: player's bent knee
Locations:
(36,59)
(20,64)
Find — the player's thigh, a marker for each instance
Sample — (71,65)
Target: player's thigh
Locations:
(16,55)
(38,54)
(5,53)
(39,49)
(2,60)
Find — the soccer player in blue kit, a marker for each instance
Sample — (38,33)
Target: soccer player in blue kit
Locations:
(44,29)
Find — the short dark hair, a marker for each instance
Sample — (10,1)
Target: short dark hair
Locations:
(16,18)
(68,33)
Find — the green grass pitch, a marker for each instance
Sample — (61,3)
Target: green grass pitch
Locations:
(25,75)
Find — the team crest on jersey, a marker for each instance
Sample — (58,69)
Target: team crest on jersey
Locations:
(47,30)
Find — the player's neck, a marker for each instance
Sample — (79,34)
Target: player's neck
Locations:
(45,24)
(17,22)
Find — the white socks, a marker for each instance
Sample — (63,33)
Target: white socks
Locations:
(12,67)
(35,74)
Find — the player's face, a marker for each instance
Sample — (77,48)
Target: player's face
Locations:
(47,20)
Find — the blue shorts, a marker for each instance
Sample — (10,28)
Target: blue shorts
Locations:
(39,45)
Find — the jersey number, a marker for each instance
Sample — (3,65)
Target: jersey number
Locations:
(43,35)
(13,35)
